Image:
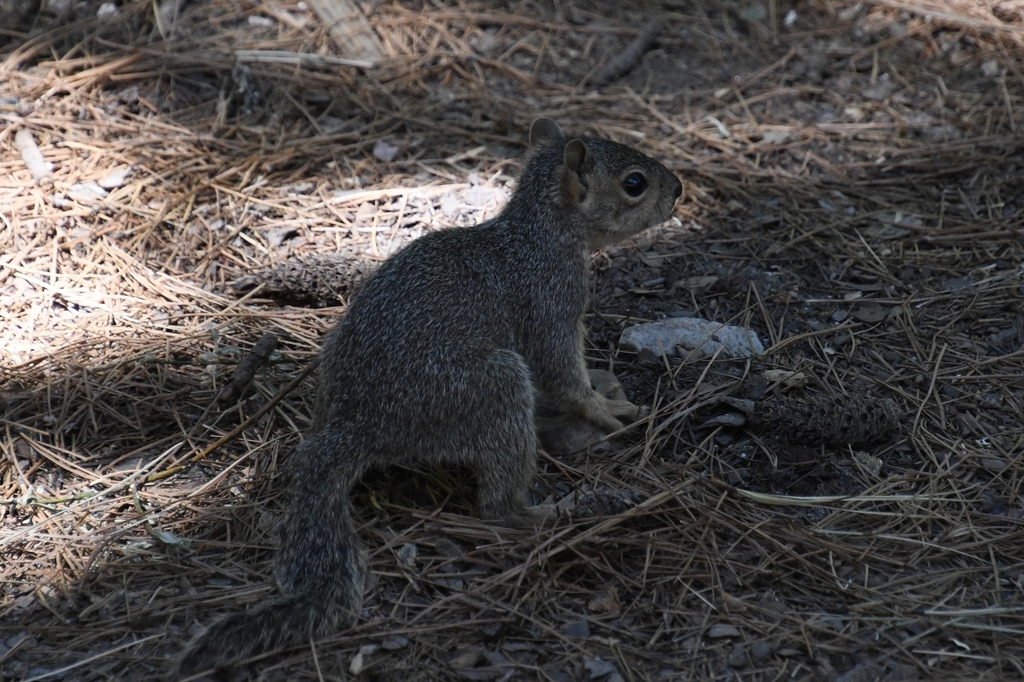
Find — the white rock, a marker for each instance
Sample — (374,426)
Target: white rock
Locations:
(115,178)
(880,90)
(479,195)
(384,151)
(597,667)
(775,136)
(450,205)
(691,333)
(86,192)
(358,663)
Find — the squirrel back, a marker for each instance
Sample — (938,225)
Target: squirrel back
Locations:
(437,360)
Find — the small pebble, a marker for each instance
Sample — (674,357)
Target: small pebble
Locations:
(738,657)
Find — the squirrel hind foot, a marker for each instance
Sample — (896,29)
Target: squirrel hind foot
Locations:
(622,409)
(610,415)
(530,518)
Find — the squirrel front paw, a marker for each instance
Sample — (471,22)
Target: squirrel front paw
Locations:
(535,516)
(612,400)
(622,409)
(606,414)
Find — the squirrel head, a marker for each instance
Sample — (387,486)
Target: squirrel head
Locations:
(615,191)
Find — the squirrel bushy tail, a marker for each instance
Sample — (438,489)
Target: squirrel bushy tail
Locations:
(319,567)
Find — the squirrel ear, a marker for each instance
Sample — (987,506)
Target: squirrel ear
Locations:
(576,157)
(577,163)
(545,131)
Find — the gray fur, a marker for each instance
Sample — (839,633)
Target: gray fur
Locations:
(437,360)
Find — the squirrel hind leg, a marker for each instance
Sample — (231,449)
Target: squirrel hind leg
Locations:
(499,438)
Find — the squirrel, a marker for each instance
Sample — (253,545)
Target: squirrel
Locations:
(437,360)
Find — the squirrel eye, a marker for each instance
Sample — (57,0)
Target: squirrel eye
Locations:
(634,184)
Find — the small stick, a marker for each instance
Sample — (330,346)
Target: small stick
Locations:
(205,452)
(247,368)
(627,59)
(41,170)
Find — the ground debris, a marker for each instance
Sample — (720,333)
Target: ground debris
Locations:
(832,420)
(627,59)
(322,279)
(246,370)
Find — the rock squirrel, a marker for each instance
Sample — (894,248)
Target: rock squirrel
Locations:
(437,360)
